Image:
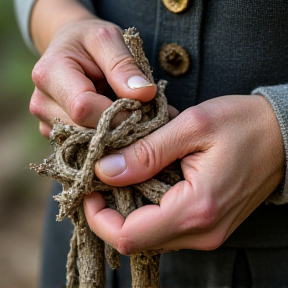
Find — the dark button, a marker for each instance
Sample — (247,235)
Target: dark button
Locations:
(174,59)
(176,6)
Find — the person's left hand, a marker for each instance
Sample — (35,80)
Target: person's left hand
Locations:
(232,159)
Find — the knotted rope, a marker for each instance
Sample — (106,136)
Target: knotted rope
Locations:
(72,164)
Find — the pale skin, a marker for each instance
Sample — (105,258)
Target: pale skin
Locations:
(230,147)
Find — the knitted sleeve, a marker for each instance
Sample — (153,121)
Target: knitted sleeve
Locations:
(277,96)
(23,10)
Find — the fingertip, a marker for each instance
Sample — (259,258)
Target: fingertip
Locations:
(135,87)
(137,81)
(93,203)
(143,94)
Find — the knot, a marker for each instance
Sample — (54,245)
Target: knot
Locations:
(72,164)
(77,150)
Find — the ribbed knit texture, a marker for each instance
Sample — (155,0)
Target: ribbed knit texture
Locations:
(278,98)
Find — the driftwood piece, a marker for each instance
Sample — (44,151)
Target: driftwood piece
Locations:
(72,164)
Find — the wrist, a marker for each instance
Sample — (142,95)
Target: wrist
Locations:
(48,16)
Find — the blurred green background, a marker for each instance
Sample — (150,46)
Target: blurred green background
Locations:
(22,192)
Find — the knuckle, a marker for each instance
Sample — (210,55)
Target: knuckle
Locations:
(122,63)
(215,243)
(39,74)
(214,240)
(200,120)
(124,246)
(102,34)
(35,107)
(202,220)
(107,31)
(207,215)
(145,153)
(79,110)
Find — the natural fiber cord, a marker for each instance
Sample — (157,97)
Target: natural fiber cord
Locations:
(72,164)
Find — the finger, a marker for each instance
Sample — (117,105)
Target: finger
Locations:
(45,129)
(118,65)
(95,209)
(173,112)
(185,134)
(46,109)
(111,226)
(68,85)
(182,221)
(151,226)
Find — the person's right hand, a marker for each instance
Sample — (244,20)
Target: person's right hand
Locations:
(83,61)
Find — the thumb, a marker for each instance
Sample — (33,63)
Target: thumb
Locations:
(136,163)
(148,156)
(119,67)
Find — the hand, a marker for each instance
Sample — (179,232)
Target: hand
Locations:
(232,159)
(85,60)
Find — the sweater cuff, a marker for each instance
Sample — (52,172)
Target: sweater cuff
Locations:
(23,9)
(277,96)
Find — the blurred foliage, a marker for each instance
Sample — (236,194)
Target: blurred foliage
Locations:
(16,61)
(16,86)
(20,141)
(23,193)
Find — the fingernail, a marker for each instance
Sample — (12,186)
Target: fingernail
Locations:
(138,82)
(113,165)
